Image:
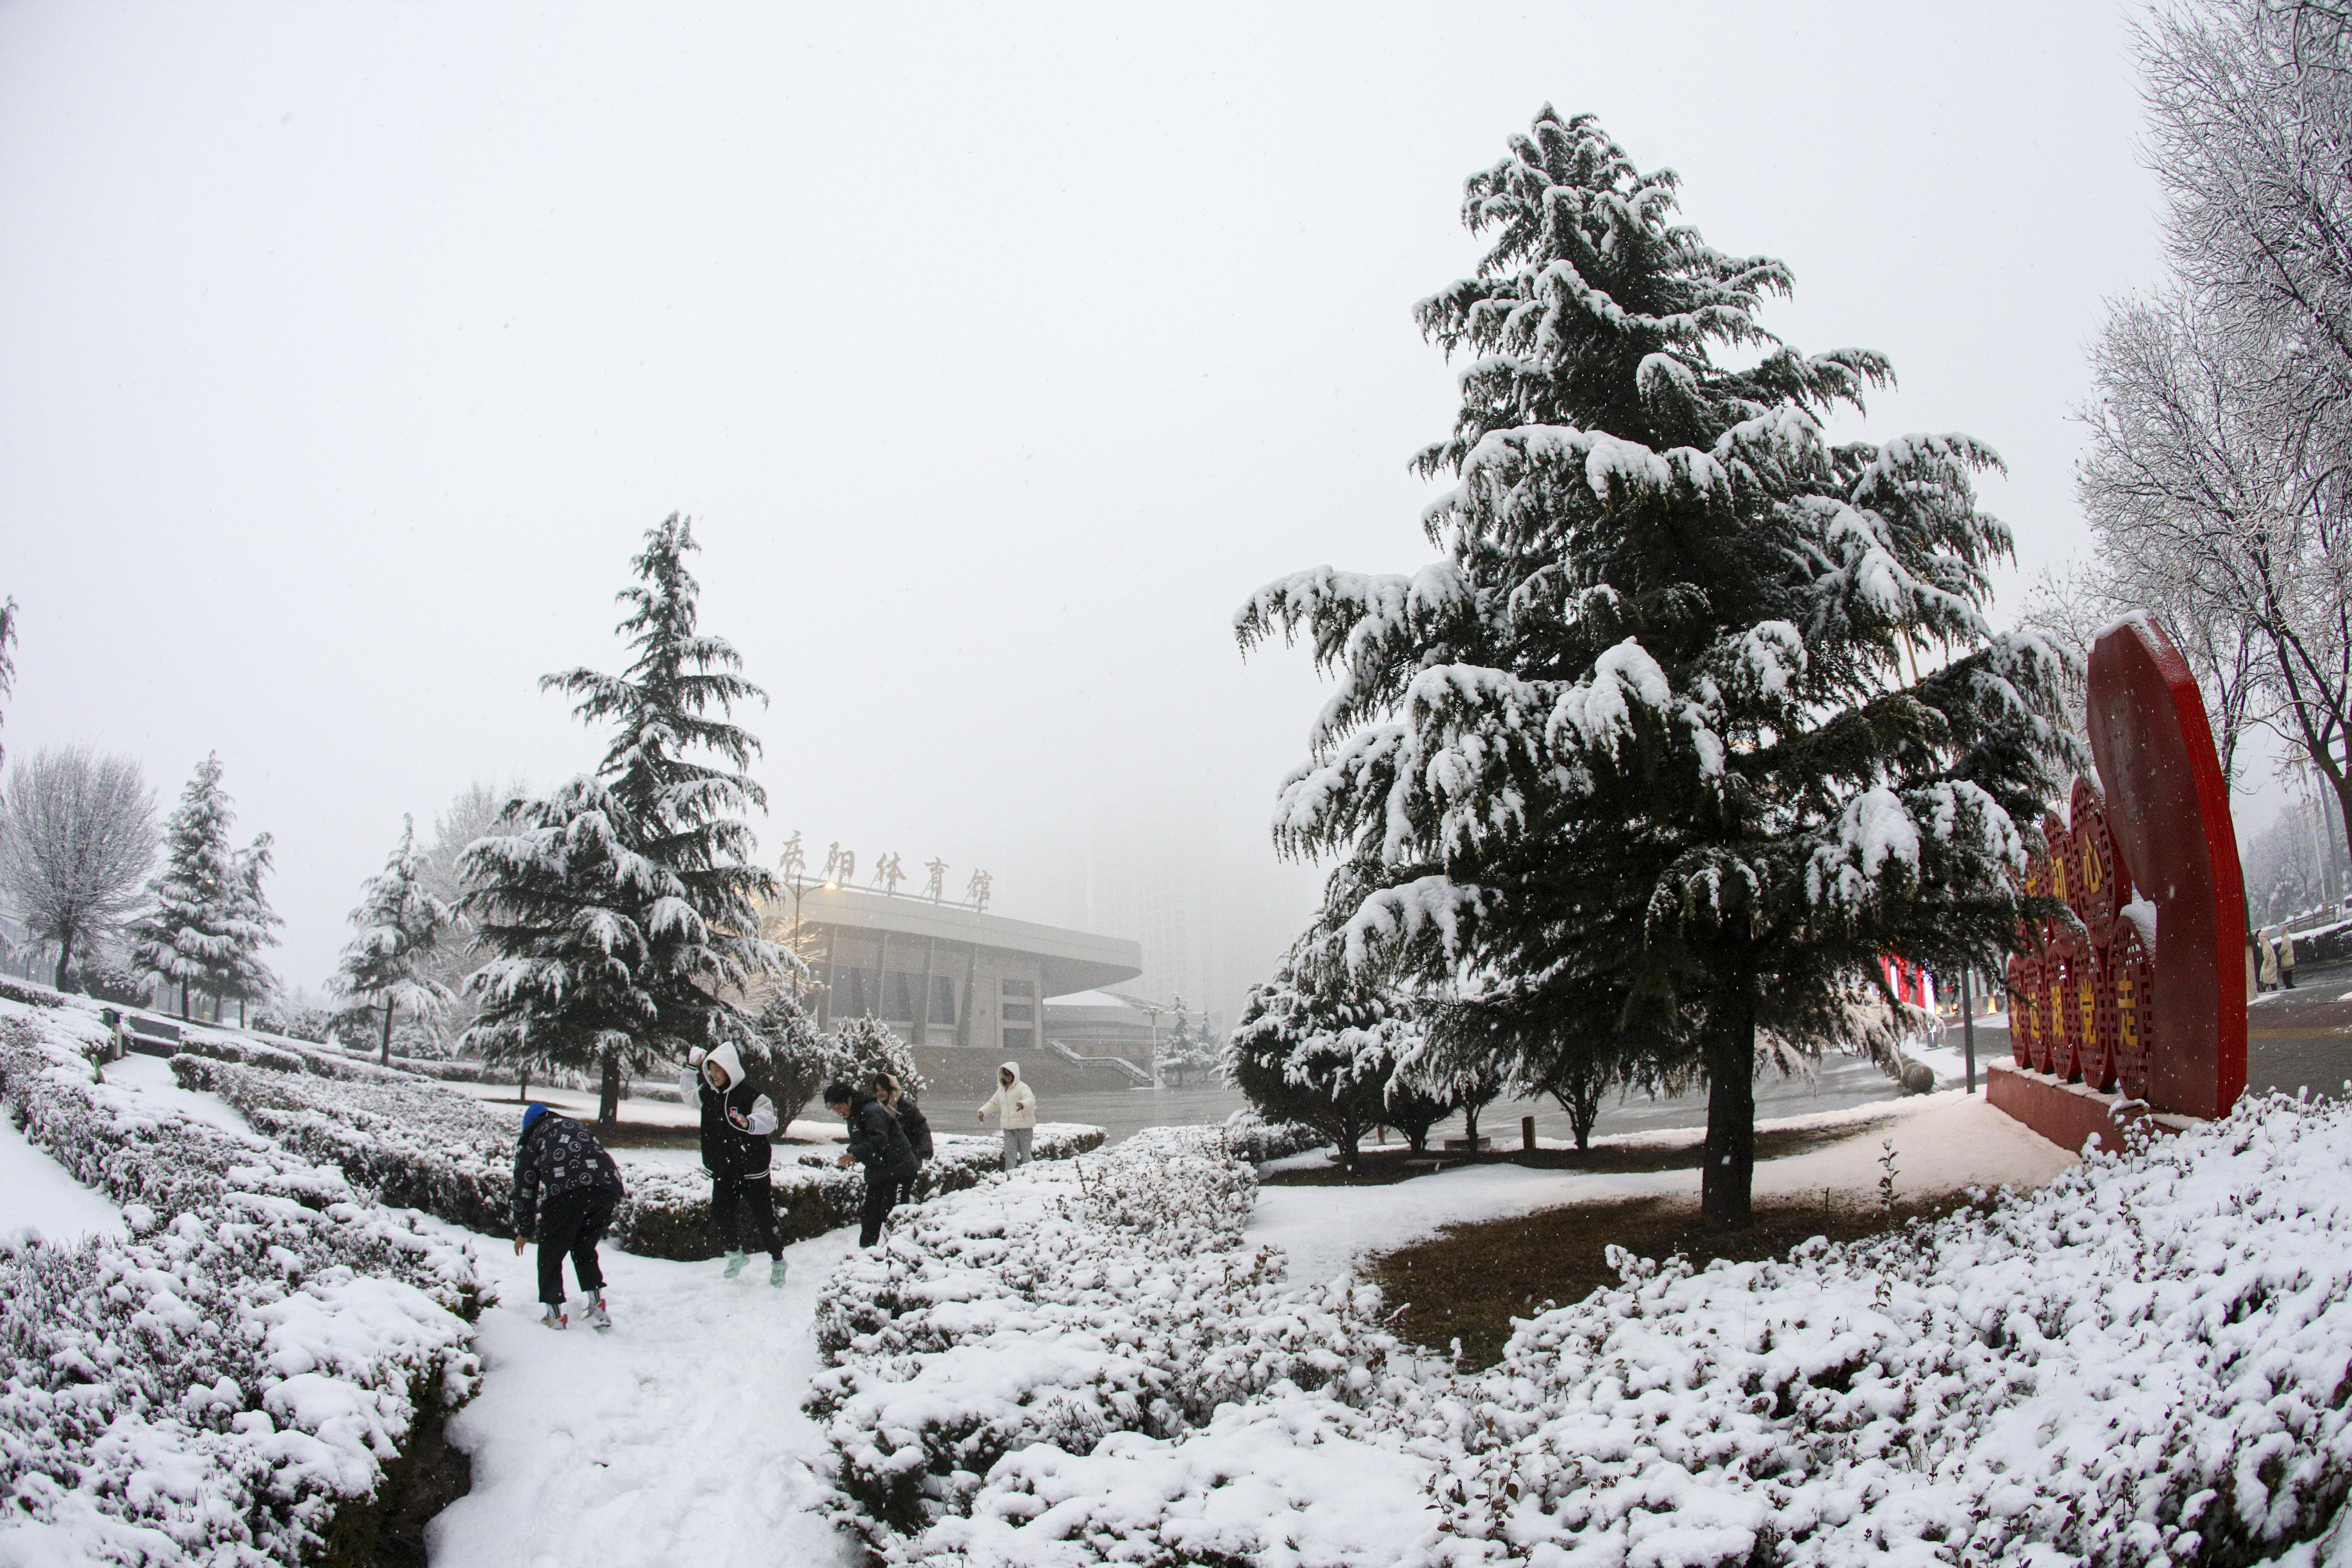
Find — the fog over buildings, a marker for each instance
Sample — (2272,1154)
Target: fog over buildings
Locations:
(346,353)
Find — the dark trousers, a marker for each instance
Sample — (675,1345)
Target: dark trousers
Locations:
(882,1189)
(572,1224)
(741,1204)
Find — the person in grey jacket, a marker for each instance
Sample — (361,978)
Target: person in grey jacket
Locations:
(565,1190)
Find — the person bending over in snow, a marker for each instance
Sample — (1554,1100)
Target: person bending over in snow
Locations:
(911,1120)
(1018,1105)
(565,1188)
(736,1121)
(878,1143)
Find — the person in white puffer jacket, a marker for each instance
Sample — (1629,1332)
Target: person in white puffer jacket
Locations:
(1016,1106)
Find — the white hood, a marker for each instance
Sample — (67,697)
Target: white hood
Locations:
(728,1062)
(1012,1068)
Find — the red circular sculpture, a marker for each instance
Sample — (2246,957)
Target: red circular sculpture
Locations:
(2147,995)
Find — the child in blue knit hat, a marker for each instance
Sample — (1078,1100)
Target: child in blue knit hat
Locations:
(565,1188)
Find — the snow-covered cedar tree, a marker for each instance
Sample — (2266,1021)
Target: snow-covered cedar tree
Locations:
(620,909)
(399,924)
(198,926)
(247,979)
(791,1060)
(866,1046)
(471,815)
(1326,1053)
(1698,715)
(1186,1050)
(77,841)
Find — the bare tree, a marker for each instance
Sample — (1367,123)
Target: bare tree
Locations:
(2221,454)
(77,838)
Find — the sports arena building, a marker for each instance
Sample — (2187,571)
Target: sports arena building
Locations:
(941,973)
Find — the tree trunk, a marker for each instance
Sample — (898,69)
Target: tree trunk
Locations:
(608,1100)
(1727,1183)
(65,954)
(385,1056)
(184,998)
(1470,1125)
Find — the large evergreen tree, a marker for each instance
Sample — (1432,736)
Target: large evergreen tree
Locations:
(621,909)
(1699,714)
(389,964)
(192,935)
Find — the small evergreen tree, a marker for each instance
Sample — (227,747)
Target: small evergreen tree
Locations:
(1699,715)
(622,906)
(1327,1055)
(1185,1049)
(252,920)
(791,1060)
(190,938)
(866,1046)
(388,965)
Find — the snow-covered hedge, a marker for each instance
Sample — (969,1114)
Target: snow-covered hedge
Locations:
(408,1142)
(1054,1308)
(667,1211)
(2146,1364)
(1250,1136)
(222,1385)
(421,1146)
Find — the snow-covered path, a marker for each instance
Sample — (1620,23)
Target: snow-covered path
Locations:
(1944,1143)
(676,1437)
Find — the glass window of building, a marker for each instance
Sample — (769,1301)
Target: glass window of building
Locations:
(1019,1039)
(1020,988)
(1020,1013)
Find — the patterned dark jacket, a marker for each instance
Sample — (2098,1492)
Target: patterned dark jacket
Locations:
(558,1155)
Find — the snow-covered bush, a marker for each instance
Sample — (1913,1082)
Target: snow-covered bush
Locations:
(279,1016)
(2147,1363)
(222,1385)
(1057,1307)
(1250,1136)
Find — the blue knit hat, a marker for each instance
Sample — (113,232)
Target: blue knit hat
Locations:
(531,1114)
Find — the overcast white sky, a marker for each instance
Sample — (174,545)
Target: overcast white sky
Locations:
(346,351)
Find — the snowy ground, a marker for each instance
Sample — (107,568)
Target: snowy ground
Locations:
(676,1437)
(1944,1143)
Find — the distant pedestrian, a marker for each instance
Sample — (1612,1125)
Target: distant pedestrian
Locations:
(1018,1114)
(2286,957)
(878,1143)
(565,1190)
(2269,975)
(737,1120)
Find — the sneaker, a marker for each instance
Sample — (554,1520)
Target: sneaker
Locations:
(554,1318)
(593,1313)
(734,1264)
(776,1272)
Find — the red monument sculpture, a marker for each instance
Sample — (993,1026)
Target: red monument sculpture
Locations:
(2138,1004)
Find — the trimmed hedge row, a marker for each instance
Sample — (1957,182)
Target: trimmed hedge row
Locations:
(421,1145)
(667,1212)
